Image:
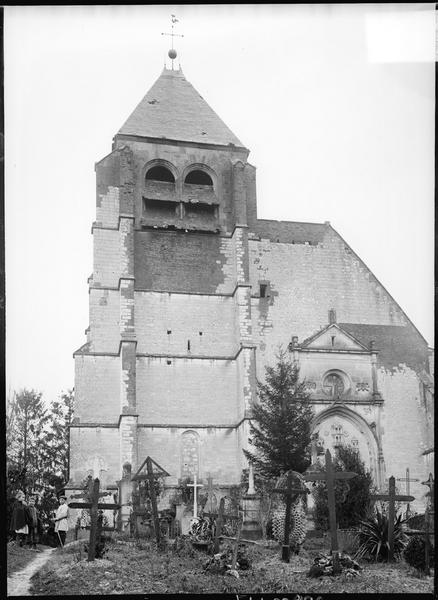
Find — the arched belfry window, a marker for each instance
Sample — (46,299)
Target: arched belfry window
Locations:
(199,177)
(160,202)
(160,173)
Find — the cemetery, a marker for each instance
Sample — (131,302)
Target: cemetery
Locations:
(222,547)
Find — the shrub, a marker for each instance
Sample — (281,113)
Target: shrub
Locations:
(416,522)
(352,497)
(373,537)
(414,553)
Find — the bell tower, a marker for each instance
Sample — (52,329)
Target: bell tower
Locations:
(169,346)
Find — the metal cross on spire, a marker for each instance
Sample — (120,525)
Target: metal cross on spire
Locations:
(172,52)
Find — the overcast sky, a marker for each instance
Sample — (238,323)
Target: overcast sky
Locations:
(335,103)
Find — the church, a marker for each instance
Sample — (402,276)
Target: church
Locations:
(190,297)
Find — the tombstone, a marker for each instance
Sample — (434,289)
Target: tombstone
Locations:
(251,527)
(184,517)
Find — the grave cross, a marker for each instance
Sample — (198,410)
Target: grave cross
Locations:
(391,498)
(150,476)
(210,493)
(151,480)
(408,489)
(429,511)
(219,523)
(195,485)
(290,494)
(330,476)
(94,505)
(431,485)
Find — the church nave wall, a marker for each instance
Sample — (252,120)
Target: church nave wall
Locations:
(404,437)
(207,451)
(191,391)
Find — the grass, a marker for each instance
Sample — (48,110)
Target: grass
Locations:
(131,567)
(18,558)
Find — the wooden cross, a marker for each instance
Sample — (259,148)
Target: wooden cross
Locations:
(431,494)
(94,505)
(195,485)
(290,494)
(219,523)
(431,485)
(150,477)
(210,493)
(236,543)
(408,489)
(151,480)
(391,498)
(330,476)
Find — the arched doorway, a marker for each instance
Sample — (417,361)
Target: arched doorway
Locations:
(340,425)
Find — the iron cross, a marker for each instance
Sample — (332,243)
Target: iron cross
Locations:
(408,489)
(172,53)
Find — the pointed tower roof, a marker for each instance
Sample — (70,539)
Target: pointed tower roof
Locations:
(173,109)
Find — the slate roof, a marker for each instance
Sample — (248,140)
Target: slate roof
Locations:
(173,109)
(395,344)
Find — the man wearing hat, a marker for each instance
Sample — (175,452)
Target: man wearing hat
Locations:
(61,519)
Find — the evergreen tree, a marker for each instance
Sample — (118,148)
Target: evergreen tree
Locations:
(56,441)
(37,446)
(280,426)
(28,418)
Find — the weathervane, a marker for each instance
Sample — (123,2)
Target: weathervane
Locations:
(172,53)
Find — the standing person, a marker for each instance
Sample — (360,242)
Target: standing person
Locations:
(20,518)
(61,519)
(33,523)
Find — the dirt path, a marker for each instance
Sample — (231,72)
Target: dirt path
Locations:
(19,582)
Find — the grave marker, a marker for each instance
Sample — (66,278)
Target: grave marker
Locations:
(290,493)
(330,476)
(408,489)
(94,507)
(429,511)
(236,543)
(219,523)
(195,485)
(210,494)
(150,477)
(391,497)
